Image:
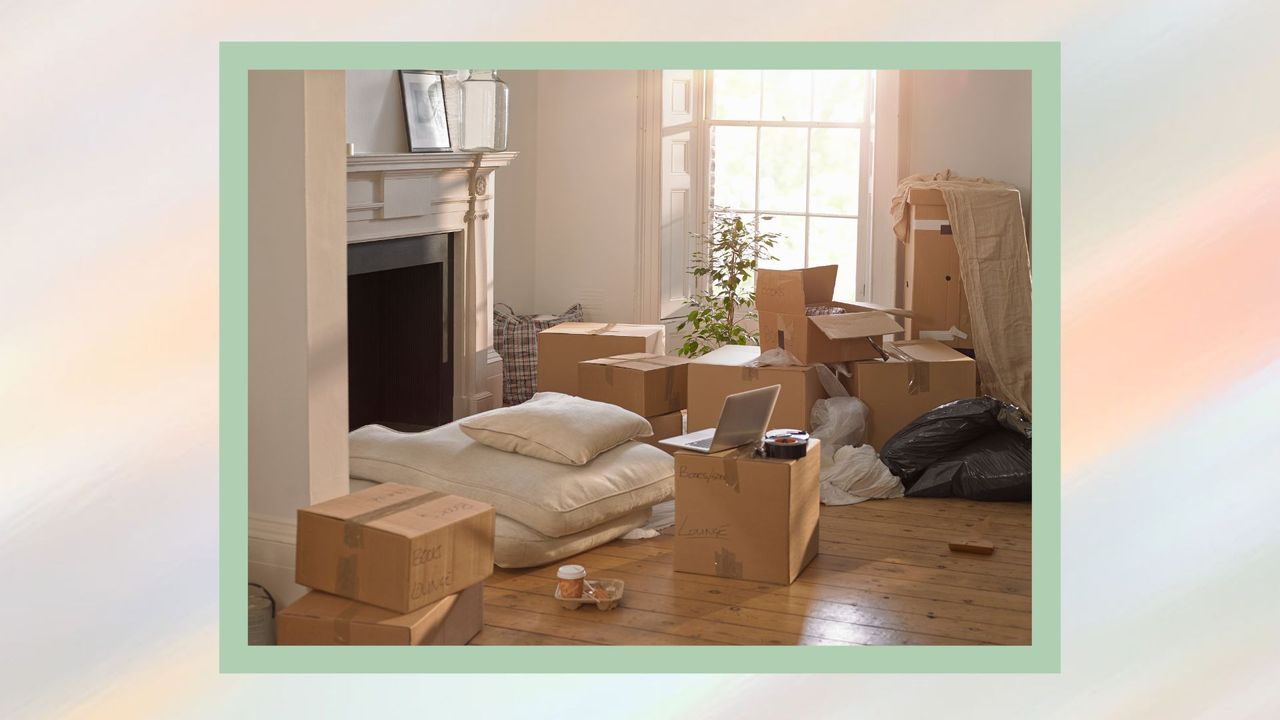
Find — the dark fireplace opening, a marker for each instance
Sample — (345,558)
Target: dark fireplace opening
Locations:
(400,332)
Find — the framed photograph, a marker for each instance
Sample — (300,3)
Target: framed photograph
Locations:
(424,110)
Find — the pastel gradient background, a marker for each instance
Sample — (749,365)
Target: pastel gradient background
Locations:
(108,361)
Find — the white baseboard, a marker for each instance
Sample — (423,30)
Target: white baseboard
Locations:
(272,548)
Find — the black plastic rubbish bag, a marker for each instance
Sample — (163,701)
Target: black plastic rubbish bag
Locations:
(979,448)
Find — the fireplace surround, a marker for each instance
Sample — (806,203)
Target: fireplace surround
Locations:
(397,198)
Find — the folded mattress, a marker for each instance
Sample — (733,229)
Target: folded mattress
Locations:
(518,546)
(552,499)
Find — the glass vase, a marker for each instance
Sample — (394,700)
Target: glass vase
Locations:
(484,112)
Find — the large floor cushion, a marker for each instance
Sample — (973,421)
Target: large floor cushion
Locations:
(553,499)
(518,546)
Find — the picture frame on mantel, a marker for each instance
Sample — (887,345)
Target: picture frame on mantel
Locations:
(425,112)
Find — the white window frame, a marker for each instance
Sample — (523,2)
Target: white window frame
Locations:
(655,301)
(866,128)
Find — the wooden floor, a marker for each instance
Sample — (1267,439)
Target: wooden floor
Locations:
(883,576)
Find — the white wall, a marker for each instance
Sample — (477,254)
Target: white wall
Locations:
(565,230)
(515,205)
(974,122)
(297,308)
(375,112)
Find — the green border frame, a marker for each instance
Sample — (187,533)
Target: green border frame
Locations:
(1041,58)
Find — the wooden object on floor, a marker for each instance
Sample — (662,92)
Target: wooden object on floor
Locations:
(975,547)
(884,576)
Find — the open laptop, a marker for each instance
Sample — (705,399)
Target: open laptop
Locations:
(743,420)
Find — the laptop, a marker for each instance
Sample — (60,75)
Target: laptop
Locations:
(743,420)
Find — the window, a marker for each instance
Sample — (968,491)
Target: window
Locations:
(790,149)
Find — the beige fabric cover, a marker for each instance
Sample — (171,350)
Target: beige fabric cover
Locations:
(554,499)
(556,427)
(995,266)
(519,546)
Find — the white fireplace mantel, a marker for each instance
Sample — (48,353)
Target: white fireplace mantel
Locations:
(391,195)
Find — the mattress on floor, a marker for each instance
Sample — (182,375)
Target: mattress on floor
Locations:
(553,499)
(519,546)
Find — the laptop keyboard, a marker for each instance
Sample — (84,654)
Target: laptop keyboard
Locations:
(705,444)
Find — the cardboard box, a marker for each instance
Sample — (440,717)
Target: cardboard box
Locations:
(323,619)
(919,376)
(643,383)
(931,285)
(744,517)
(562,347)
(721,373)
(782,297)
(665,426)
(395,546)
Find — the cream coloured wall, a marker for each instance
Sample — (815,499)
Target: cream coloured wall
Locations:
(297,291)
(975,122)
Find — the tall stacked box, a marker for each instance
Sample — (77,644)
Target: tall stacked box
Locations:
(562,347)
(931,286)
(723,372)
(745,517)
(916,377)
(797,313)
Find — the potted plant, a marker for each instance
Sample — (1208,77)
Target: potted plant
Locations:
(725,263)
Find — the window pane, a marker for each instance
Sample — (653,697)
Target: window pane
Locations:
(737,95)
(833,179)
(840,95)
(790,247)
(782,168)
(733,167)
(786,94)
(834,241)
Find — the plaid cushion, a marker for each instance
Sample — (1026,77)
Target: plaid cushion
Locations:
(515,339)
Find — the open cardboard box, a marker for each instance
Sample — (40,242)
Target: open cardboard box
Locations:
(782,297)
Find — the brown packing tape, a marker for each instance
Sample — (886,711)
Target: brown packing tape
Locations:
(727,564)
(353,539)
(669,391)
(750,373)
(731,474)
(342,624)
(601,330)
(608,374)
(917,378)
(917,371)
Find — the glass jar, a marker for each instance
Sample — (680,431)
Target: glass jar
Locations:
(484,112)
(570,579)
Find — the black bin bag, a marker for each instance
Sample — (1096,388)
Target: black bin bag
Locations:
(978,448)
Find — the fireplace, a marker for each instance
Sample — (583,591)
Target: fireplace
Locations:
(400,344)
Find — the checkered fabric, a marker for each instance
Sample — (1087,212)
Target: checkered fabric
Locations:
(515,338)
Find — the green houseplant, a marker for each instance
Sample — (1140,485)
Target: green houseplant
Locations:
(725,264)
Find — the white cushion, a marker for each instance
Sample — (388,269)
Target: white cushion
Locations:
(554,499)
(556,427)
(516,545)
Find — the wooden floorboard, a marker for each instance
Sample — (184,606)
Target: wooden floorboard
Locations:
(884,576)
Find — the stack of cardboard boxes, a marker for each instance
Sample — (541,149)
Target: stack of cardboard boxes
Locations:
(756,518)
(746,517)
(655,386)
(390,565)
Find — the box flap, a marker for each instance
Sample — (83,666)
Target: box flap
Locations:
(789,291)
(613,329)
(929,351)
(867,324)
(379,497)
(639,361)
(896,312)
